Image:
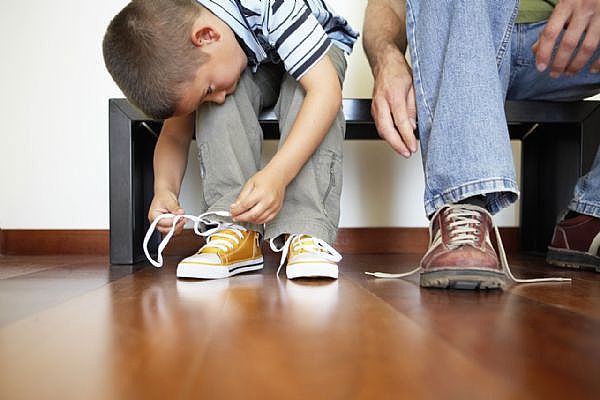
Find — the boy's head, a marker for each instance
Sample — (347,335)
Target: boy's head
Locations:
(168,56)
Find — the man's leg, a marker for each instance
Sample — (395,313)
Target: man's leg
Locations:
(576,240)
(460,73)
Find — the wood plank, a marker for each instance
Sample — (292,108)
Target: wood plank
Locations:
(151,335)
(533,330)
(34,283)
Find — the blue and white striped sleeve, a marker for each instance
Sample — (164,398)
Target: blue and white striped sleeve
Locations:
(296,35)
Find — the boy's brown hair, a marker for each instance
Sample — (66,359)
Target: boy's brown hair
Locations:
(148,51)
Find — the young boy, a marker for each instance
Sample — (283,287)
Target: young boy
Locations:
(212,66)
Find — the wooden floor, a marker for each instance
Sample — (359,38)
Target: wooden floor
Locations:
(77,328)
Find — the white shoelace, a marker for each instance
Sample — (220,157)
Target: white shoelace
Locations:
(309,244)
(464,233)
(216,238)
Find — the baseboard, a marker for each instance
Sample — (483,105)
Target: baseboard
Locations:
(96,242)
(46,242)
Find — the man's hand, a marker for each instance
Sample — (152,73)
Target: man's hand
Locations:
(393,106)
(580,20)
(261,198)
(166,203)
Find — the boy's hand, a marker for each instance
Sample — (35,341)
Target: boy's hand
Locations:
(166,203)
(261,198)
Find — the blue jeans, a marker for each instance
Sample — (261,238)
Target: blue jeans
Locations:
(468,56)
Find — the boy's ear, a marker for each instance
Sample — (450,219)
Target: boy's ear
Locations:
(204,34)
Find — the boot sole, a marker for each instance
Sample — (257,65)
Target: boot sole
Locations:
(463,279)
(572,259)
(207,271)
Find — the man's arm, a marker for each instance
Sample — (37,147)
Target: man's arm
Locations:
(393,105)
(170,162)
(262,196)
(580,21)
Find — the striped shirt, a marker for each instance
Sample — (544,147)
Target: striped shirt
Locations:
(297,32)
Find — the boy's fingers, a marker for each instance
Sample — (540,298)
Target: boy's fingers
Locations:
(240,204)
(250,215)
(246,206)
(167,223)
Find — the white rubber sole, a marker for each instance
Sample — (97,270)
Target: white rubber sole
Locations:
(312,270)
(209,271)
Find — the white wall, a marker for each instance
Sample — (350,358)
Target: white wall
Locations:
(54,138)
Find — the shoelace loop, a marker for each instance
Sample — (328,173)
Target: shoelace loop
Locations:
(220,242)
(303,242)
(464,233)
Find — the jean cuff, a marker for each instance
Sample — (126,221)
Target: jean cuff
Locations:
(500,193)
(583,207)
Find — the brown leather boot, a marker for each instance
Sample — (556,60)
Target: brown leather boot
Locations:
(460,254)
(575,243)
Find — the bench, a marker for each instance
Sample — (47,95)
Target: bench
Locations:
(559,142)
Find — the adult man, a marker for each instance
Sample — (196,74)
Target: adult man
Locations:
(467,58)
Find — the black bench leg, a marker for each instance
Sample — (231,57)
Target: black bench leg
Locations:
(131,187)
(554,156)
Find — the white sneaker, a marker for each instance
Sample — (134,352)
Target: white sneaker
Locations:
(308,257)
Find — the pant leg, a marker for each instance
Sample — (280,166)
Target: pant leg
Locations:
(229,138)
(527,83)
(459,51)
(312,200)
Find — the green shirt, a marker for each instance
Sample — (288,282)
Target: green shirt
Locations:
(535,10)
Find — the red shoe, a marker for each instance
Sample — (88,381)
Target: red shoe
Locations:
(575,243)
(460,254)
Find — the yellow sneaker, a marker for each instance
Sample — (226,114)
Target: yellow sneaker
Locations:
(308,257)
(227,252)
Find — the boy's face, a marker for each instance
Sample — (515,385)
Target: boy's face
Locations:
(216,78)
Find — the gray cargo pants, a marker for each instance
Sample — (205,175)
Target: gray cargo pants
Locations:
(229,140)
